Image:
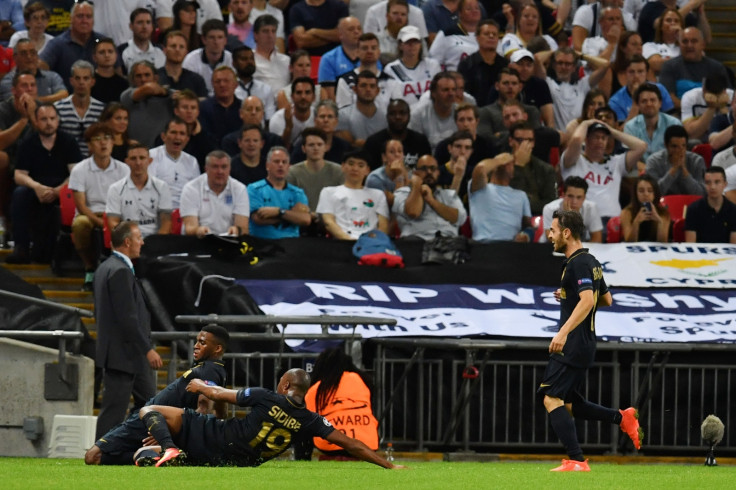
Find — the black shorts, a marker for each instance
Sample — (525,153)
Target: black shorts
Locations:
(122,441)
(202,438)
(562,381)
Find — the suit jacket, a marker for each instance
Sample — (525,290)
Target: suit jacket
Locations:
(123,319)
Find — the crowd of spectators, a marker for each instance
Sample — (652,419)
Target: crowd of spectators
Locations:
(327,118)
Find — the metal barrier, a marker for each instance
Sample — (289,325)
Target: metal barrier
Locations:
(61,335)
(432,400)
(481,395)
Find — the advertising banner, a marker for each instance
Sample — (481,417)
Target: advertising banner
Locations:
(506,310)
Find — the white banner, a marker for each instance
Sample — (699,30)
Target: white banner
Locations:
(506,310)
(667,265)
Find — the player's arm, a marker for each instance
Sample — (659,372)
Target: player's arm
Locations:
(359,450)
(605,300)
(581,311)
(214,393)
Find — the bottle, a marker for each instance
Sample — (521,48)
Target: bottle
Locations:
(390,452)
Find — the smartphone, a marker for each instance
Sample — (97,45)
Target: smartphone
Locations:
(648,206)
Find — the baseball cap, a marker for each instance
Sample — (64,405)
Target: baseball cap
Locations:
(409,32)
(598,127)
(520,54)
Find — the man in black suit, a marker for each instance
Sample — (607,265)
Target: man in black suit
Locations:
(124,348)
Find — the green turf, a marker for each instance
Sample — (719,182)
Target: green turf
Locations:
(277,475)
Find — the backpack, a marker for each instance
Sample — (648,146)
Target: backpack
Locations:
(376,248)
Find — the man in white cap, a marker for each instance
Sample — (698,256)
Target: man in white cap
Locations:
(602,172)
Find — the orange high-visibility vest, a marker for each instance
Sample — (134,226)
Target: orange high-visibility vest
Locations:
(349,411)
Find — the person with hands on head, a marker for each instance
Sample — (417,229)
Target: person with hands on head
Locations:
(277,209)
(603,172)
(498,212)
(645,219)
(274,422)
(568,91)
(572,349)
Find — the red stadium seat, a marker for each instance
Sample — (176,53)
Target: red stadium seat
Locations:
(176,222)
(314,75)
(613,229)
(678,230)
(677,203)
(538,225)
(705,151)
(106,239)
(554,156)
(466,230)
(68,208)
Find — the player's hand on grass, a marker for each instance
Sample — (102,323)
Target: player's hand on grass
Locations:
(400,467)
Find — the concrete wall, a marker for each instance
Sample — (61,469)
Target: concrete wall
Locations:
(22,388)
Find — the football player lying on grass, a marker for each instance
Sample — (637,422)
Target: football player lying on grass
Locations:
(275,420)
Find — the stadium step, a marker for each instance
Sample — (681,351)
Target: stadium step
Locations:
(722,17)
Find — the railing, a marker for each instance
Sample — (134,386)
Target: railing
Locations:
(480,395)
(61,335)
(426,400)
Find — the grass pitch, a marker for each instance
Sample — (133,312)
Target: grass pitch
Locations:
(29,473)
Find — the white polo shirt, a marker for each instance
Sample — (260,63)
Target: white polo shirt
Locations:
(567,99)
(196,61)
(214,211)
(133,53)
(277,124)
(175,172)
(273,72)
(87,177)
(260,90)
(144,206)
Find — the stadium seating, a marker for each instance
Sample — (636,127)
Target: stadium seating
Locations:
(176,222)
(538,225)
(613,230)
(705,151)
(676,204)
(678,230)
